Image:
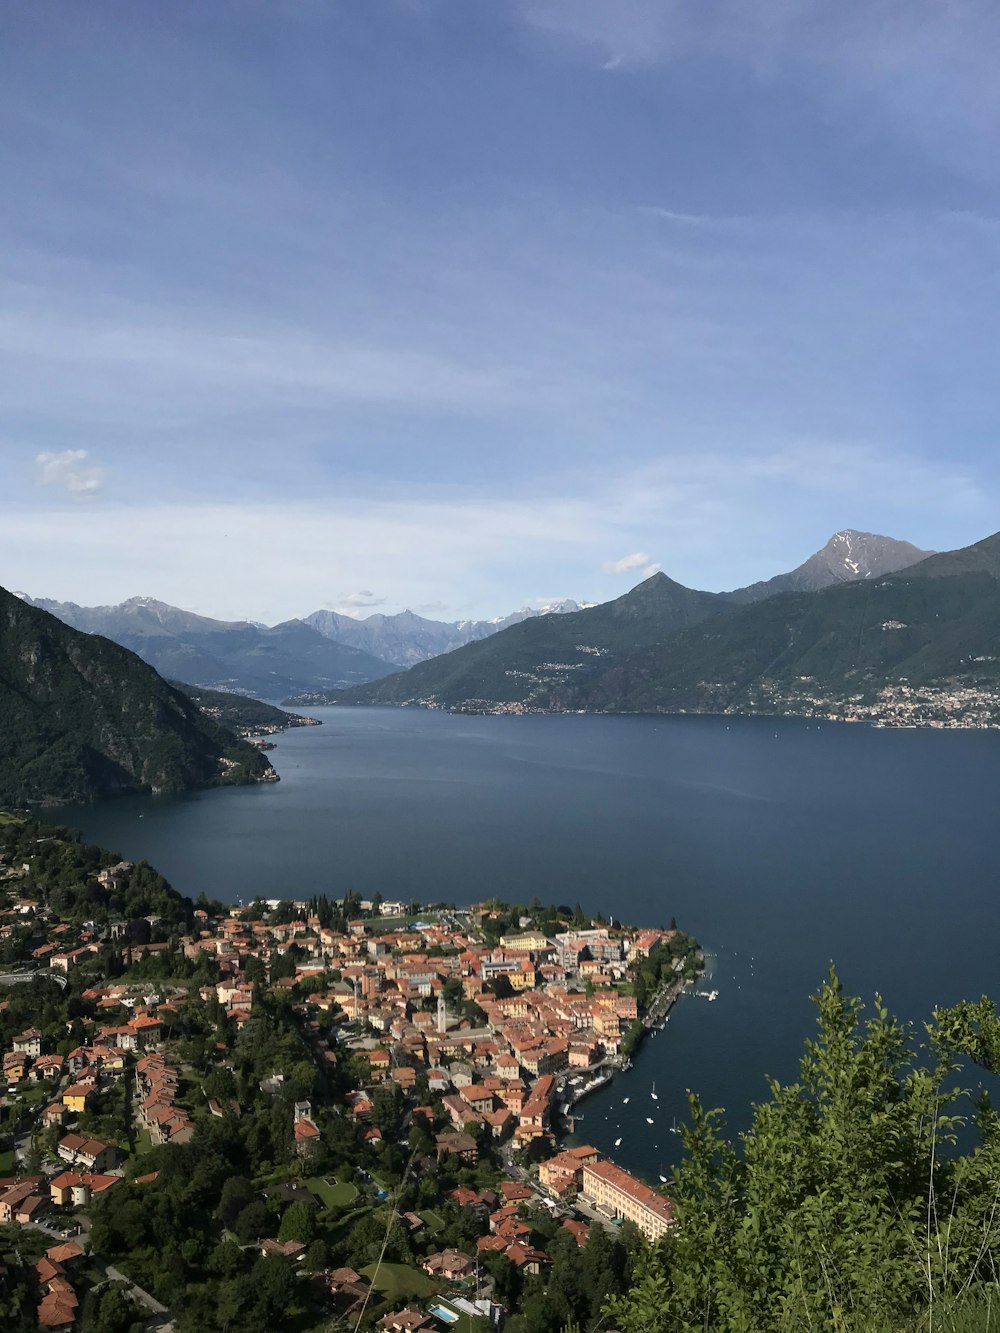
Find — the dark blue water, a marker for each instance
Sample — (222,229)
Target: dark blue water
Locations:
(781,844)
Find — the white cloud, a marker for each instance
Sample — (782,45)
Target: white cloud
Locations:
(718,521)
(70,470)
(356,601)
(637,560)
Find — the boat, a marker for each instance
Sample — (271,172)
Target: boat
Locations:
(624,1101)
(618,1143)
(663,1179)
(653,1094)
(649,1120)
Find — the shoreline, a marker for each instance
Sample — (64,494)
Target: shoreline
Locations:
(654,1018)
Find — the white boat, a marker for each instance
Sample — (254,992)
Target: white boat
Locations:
(664,1179)
(618,1143)
(624,1101)
(653,1094)
(649,1120)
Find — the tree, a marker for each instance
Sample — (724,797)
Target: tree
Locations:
(254,1221)
(317,1256)
(850,1206)
(272,1284)
(237,1192)
(298,1223)
(112,1312)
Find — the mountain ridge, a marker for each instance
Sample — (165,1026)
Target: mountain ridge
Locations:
(238,656)
(83,717)
(848,556)
(917,643)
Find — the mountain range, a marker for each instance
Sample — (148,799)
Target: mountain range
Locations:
(265,661)
(323,651)
(326,652)
(406,638)
(913,644)
(81,717)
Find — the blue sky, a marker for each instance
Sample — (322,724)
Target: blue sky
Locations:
(467,304)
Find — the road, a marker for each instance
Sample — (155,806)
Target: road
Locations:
(138,1294)
(16,978)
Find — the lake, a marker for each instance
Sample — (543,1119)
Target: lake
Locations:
(780,843)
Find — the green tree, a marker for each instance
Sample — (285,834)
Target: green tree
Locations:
(298,1223)
(850,1206)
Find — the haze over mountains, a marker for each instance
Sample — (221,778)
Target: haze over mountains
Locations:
(855,636)
(326,652)
(266,661)
(406,638)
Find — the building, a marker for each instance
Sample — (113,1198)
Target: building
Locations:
(620,1195)
(408,1321)
(563,1174)
(91,1154)
(452,1265)
(462,1146)
(76,1188)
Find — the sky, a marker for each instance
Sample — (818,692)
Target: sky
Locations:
(466,305)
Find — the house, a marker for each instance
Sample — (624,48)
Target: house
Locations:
(462,1146)
(563,1174)
(91,1154)
(15,1065)
(29,1043)
(66,1253)
(29,1209)
(452,1265)
(76,1097)
(305,1131)
(76,1188)
(285,1249)
(348,1289)
(407,1321)
(46,1066)
(13,1191)
(526,1258)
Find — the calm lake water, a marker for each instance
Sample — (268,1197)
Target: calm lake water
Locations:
(781,844)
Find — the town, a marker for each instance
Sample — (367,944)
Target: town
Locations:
(348,1110)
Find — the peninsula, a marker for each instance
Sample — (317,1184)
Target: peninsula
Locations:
(365,1091)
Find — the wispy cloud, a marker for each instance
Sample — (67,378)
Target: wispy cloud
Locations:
(929,67)
(350,602)
(712,516)
(69,470)
(629,563)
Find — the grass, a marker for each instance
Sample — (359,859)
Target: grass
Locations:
(400,1281)
(433,1221)
(6,1163)
(341,1227)
(463,1324)
(143,1143)
(333,1194)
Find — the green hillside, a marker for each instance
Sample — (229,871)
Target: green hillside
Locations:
(800,652)
(81,718)
(240,713)
(913,647)
(538,660)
